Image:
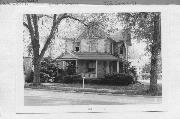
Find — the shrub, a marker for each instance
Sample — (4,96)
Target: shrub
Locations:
(110,79)
(48,70)
(72,79)
(71,68)
(44,77)
(118,79)
(59,77)
(146,76)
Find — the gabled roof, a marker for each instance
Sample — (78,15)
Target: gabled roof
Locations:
(122,35)
(92,33)
(67,55)
(87,56)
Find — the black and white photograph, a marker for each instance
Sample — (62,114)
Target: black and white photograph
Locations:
(89,61)
(92,58)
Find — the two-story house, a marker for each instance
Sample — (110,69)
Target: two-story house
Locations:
(94,53)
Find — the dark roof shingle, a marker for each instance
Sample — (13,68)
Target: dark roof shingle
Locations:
(88,56)
(95,56)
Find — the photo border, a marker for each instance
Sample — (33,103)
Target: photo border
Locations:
(55,9)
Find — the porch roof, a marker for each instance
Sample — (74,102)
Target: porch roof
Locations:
(87,56)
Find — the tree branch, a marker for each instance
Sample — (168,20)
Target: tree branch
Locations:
(54,28)
(33,39)
(31,31)
(24,23)
(67,16)
(51,35)
(35,20)
(54,19)
(36,36)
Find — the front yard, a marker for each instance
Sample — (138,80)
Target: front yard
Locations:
(132,89)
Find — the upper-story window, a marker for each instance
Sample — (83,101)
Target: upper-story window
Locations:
(93,46)
(122,48)
(77,46)
(77,49)
(112,48)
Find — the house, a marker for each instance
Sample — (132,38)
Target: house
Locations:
(94,53)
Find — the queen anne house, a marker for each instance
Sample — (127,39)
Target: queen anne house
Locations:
(95,53)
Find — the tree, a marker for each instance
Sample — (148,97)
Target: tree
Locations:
(31,23)
(146,26)
(146,68)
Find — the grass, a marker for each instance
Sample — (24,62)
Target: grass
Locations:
(132,89)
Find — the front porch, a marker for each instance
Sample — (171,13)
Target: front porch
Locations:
(96,68)
(92,65)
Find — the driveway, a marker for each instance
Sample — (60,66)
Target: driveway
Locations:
(42,97)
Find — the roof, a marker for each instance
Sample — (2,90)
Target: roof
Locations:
(122,35)
(87,56)
(92,33)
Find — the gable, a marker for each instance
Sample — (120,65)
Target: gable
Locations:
(122,35)
(92,33)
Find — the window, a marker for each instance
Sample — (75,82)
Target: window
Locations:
(91,66)
(112,48)
(77,46)
(121,49)
(93,46)
(77,49)
(91,69)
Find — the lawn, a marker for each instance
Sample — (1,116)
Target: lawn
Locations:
(132,89)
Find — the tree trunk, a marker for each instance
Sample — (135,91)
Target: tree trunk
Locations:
(154,71)
(155,55)
(36,80)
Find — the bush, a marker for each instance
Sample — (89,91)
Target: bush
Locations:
(59,77)
(145,76)
(118,79)
(72,79)
(44,77)
(110,79)
(48,70)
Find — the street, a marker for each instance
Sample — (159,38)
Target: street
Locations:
(41,97)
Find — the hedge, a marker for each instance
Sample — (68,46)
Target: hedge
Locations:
(118,79)
(109,79)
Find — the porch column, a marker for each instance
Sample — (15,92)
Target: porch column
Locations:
(117,66)
(96,67)
(107,67)
(57,68)
(63,64)
(76,66)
